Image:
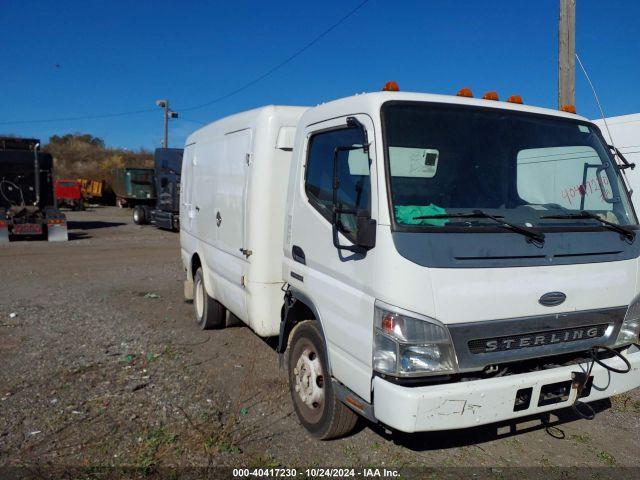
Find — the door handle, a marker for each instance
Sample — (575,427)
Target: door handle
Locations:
(298,255)
(197,208)
(218,219)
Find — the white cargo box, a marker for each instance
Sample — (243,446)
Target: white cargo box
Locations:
(234,183)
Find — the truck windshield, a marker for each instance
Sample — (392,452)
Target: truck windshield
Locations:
(528,169)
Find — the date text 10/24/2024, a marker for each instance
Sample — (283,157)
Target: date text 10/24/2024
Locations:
(315,472)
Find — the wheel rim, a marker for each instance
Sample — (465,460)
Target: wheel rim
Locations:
(199,300)
(136,216)
(309,383)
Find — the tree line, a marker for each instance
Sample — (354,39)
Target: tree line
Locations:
(81,155)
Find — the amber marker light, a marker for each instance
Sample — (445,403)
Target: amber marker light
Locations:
(390,87)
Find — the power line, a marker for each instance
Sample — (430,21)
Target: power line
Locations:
(84,117)
(215,100)
(281,64)
(190,120)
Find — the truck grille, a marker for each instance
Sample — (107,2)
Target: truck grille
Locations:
(537,339)
(494,342)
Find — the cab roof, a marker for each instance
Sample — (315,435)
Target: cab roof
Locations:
(371,102)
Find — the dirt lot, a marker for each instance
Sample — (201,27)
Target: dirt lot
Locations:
(103,364)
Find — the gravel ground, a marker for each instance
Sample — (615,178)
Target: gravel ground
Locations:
(103,365)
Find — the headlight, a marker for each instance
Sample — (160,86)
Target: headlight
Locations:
(630,329)
(407,346)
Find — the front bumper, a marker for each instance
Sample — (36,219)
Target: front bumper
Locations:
(467,404)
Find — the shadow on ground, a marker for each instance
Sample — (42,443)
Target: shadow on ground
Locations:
(78,229)
(91,224)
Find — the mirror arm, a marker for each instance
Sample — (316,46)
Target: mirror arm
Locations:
(625,163)
(353,122)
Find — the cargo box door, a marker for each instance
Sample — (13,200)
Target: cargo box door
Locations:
(187,210)
(231,192)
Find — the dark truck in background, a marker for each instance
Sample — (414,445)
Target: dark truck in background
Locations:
(27,203)
(133,187)
(165,214)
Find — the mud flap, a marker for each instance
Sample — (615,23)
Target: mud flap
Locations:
(4,228)
(4,234)
(188,290)
(56,225)
(57,232)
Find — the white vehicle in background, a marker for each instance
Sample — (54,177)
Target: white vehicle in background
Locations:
(429,262)
(625,136)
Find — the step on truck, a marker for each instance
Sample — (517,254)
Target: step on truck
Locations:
(27,203)
(418,256)
(165,213)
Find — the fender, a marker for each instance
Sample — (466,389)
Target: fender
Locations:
(293,300)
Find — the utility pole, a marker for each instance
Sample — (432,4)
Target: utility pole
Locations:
(168,113)
(566,53)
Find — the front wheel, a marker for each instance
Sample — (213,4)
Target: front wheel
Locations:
(314,401)
(210,313)
(139,215)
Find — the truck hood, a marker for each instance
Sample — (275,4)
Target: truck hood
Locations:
(473,277)
(478,294)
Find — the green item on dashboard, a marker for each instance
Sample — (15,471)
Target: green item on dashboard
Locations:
(406,214)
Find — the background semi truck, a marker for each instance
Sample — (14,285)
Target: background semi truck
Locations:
(27,205)
(166,211)
(134,186)
(428,262)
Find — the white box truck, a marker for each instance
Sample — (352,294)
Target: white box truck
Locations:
(623,133)
(428,262)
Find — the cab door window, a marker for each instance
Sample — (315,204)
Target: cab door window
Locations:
(354,186)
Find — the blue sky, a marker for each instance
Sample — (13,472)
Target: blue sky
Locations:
(78,58)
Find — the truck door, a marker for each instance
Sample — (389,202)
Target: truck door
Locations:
(338,282)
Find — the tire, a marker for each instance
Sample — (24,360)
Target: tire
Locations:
(139,215)
(147,213)
(231,320)
(314,401)
(210,313)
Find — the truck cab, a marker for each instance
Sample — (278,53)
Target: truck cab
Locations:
(448,262)
(69,193)
(27,203)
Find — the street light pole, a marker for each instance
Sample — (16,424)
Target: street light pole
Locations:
(166,125)
(168,113)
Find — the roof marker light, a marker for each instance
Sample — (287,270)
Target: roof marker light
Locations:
(390,87)
(465,92)
(490,96)
(515,99)
(568,108)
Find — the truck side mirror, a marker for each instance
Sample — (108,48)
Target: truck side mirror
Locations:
(366,236)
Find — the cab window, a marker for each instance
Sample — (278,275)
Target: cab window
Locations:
(354,188)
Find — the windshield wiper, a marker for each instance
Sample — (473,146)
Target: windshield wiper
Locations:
(626,232)
(535,236)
